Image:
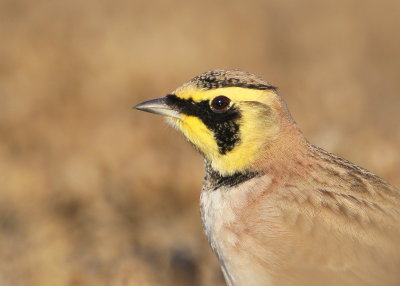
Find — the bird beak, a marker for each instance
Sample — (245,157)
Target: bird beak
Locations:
(158,106)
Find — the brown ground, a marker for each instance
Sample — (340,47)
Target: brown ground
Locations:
(95,193)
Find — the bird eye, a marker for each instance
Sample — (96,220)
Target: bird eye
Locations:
(220,103)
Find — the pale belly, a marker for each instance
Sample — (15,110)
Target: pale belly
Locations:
(244,262)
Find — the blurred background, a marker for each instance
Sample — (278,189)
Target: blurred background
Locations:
(95,193)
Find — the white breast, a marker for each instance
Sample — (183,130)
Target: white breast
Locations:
(220,210)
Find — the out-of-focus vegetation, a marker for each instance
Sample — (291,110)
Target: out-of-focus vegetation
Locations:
(95,193)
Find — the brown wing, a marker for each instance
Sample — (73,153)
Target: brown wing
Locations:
(344,228)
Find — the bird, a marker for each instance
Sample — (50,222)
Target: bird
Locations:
(277,210)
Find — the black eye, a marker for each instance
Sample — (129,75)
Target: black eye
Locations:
(220,103)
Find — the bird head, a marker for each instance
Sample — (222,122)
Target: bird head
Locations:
(229,116)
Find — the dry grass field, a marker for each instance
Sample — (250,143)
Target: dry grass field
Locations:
(95,193)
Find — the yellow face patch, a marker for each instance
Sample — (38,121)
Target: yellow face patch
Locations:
(257,124)
(198,133)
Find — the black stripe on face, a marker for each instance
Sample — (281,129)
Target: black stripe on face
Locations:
(224,125)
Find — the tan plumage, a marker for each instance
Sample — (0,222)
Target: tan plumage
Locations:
(276,209)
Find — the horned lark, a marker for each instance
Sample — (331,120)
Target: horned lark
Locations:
(276,209)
